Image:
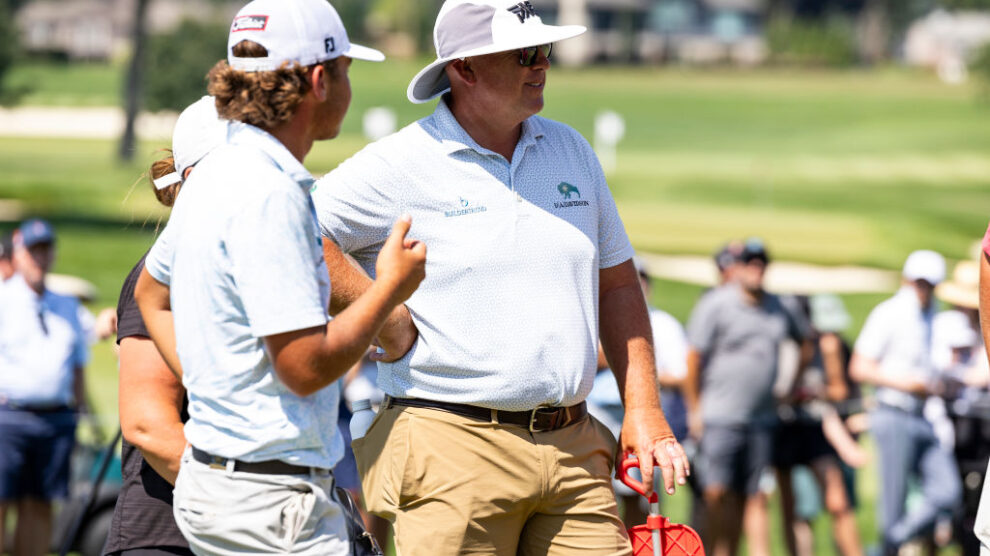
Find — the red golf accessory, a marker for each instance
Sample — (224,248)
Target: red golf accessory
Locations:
(659,537)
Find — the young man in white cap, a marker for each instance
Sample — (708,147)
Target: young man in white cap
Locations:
(894,354)
(249,292)
(484,445)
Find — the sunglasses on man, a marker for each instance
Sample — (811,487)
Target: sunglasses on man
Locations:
(529,55)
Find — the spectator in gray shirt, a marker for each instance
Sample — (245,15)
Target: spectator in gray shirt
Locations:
(734,334)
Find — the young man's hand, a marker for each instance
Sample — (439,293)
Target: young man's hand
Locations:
(401,264)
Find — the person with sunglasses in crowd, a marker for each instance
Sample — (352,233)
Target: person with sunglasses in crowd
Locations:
(484,444)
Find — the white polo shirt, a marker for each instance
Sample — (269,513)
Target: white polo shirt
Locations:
(41,344)
(508,312)
(244,259)
(898,334)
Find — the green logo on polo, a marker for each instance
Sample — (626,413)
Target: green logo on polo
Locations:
(567,189)
(465,208)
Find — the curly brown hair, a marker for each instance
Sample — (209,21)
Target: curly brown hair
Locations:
(265,98)
(160,168)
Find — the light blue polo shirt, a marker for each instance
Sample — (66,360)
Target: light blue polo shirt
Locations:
(508,312)
(243,257)
(41,344)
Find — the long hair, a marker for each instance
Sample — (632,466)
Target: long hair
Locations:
(163,167)
(263,99)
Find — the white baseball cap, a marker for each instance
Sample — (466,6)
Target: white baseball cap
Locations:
(925,265)
(306,32)
(198,131)
(953,328)
(476,27)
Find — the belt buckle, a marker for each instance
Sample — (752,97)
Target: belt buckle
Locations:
(532,419)
(217,462)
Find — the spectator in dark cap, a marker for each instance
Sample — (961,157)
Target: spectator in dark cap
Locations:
(727,259)
(734,334)
(42,352)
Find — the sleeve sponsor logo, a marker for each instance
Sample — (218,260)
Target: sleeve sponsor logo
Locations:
(249,23)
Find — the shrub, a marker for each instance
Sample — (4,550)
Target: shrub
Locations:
(829,42)
(8,45)
(177,63)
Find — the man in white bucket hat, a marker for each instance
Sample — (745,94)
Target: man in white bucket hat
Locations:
(244,274)
(484,445)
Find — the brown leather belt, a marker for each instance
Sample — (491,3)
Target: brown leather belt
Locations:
(541,419)
(271,467)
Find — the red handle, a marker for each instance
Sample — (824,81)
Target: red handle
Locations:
(622,473)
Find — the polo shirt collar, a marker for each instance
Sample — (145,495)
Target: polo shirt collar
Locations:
(453,138)
(240,133)
(908,297)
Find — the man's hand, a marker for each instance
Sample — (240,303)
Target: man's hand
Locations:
(401,264)
(396,337)
(646,434)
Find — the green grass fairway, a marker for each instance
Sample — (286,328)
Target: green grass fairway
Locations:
(849,167)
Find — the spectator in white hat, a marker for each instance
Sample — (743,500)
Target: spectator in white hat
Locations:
(484,444)
(961,293)
(894,354)
(249,291)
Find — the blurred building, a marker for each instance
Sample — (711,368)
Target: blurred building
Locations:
(98,29)
(691,31)
(946,42)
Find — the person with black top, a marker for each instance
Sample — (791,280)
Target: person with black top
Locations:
(152,399)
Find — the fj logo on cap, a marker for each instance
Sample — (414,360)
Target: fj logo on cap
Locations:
(524,11)
(329,44)
(249,23)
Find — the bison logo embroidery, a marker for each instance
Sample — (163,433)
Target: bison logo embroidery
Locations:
(567,189)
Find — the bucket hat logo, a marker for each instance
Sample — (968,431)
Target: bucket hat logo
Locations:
(523,10)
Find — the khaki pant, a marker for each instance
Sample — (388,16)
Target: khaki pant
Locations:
(229,513)
(455,485)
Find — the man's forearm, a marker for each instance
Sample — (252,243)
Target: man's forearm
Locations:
(627,341)
(864,369)
(348,283)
